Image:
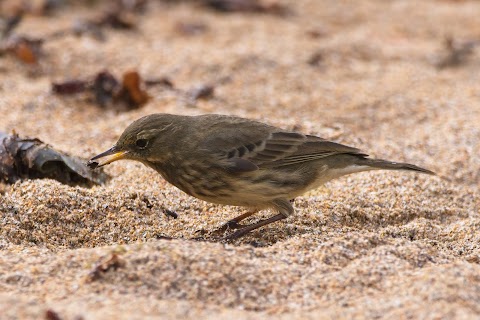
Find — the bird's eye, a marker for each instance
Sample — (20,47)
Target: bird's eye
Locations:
(141,143)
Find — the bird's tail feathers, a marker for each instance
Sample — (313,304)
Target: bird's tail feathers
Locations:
(389,165)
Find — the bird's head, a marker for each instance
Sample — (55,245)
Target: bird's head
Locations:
(146,140)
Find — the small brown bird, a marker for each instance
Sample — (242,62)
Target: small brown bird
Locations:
(234,161)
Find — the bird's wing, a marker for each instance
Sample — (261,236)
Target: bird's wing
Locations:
(252,145)
(314,148)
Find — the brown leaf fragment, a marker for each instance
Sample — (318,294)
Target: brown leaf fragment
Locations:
(69,87)
(25,49)
(131,92)
(24,52)
(456,53)
(52,315)
(103,265)
(32,159)
(255,6)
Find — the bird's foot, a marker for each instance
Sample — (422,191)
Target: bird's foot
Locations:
(250,227)
(229,225)
(237,234)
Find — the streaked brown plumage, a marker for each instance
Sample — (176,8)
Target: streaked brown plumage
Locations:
(235,161)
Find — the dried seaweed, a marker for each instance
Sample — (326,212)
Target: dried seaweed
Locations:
(105,85)
(253,6)
(69,87)
(162,81)
(32,159)
(107,90)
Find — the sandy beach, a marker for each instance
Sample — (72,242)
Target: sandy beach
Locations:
(376,75)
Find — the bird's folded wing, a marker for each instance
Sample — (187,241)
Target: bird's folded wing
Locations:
(313,148)
(249,151)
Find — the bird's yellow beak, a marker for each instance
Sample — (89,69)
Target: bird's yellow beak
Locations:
(108,156)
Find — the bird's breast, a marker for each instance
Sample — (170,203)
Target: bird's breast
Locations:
(196,180)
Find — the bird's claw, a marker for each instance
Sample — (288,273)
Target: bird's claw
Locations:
(229,225)
(237,234)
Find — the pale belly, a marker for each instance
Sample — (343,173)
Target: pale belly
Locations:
(257,188)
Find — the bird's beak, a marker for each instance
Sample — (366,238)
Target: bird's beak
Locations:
(109,156)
